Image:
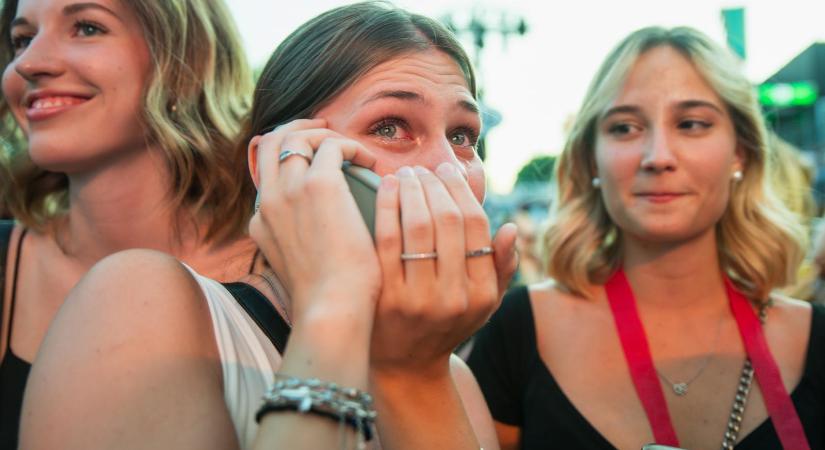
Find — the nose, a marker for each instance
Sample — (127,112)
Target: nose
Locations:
(39,59)
(659,153)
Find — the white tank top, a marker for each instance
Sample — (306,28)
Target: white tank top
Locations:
(248,358)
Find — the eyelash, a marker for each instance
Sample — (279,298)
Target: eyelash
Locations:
(21,41)
(471,133)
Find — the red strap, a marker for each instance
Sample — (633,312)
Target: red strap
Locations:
(777,401)
(639,360)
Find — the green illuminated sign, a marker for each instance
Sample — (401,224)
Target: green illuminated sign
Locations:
(798,93)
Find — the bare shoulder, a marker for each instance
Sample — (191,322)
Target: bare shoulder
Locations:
(553,300)
(135,331)
(790,313)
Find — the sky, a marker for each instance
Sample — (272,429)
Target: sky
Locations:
(537,81)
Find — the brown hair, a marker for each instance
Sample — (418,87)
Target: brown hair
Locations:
(330,52)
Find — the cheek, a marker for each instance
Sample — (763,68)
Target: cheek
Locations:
(13,88)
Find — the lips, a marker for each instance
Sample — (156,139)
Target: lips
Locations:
(660,197)
(42,106)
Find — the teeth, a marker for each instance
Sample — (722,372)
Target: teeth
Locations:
(54,102)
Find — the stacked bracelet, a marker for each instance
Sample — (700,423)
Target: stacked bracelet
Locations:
(347,405)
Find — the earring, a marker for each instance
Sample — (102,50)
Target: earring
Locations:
(596,182)
(737,176)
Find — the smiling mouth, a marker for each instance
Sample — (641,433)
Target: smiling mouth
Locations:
(46,107)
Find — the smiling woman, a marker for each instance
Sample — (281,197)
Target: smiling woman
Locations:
(126,113)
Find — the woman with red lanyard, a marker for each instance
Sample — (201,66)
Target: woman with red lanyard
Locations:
(659,324)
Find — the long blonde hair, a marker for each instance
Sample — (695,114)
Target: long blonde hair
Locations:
(197,94)
(760,243)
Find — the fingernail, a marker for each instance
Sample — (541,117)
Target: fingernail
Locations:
(405,172)
(419,170)
(445,170)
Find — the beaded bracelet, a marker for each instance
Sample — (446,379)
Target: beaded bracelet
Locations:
(349,406)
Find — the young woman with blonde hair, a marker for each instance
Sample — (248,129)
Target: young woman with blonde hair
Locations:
(664,251)
(126,115)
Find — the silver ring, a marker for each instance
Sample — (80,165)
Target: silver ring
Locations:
(287,153)
(483,251)
(417,256)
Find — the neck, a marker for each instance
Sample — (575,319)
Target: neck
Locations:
(124,205)
(682,276)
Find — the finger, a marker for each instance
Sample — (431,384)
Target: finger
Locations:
(337,149)
(416,229)
(505,256)
(449,228)
(480,269)
(268,146)
(388,240)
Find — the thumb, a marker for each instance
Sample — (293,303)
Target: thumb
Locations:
(505,256)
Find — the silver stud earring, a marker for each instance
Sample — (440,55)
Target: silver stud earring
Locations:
(737,176)
(596,182)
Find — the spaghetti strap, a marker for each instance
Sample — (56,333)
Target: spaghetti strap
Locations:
(14,288)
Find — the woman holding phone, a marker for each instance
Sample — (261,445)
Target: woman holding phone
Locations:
(368,83)
(126,126)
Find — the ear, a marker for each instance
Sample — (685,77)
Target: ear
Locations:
(252,159)
(740,159)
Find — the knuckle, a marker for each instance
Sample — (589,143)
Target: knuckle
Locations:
(450,218)
(419,229)
(317,185)
(476,220)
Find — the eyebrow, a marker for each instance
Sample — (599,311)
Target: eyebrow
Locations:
(68,10)
(412,96)
(683,105)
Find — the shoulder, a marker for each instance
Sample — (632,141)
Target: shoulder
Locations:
(135,331)
(136,296)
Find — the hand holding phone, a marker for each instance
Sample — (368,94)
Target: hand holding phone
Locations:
(363,184)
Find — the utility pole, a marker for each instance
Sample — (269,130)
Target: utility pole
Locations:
(478,27)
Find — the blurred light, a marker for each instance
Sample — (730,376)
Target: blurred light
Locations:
(797,93)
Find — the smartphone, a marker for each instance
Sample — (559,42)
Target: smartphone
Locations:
(363,184)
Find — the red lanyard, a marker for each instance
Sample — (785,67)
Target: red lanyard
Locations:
(639,361)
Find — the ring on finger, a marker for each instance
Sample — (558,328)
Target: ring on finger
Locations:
(483,251)
(287,153)
(418,256)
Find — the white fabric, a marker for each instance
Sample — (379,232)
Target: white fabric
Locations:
(248,358)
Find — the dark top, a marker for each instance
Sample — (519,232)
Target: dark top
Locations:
(13,371)
(521,391)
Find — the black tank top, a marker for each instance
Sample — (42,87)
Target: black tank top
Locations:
(13,371)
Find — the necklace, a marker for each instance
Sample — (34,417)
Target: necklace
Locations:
(681,389)
(649,389)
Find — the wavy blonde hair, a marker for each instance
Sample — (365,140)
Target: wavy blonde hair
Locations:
(760,243)
(198,92)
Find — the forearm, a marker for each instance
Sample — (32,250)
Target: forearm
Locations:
(421,412)
(332,346)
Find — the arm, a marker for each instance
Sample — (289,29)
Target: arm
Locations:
(333,282)
(426,399)
(129,362)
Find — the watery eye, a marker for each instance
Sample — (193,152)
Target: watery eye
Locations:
(387,130)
